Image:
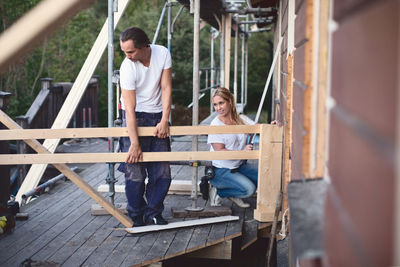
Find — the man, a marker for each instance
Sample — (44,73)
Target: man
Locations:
(145,77)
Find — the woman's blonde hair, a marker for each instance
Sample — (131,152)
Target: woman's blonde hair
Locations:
(227,96)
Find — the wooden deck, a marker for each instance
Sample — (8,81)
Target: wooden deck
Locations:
(61,229)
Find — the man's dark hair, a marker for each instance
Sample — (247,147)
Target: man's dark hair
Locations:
(137,35)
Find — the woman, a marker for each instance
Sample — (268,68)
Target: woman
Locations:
(234,179)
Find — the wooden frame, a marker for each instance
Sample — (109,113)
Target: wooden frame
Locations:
(269,156)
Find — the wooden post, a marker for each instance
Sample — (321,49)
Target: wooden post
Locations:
(269,172)
(22,149)
(288,129)
(4,149)
(227,63)
(309,91)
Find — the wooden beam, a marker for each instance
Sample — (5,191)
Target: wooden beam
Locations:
(269,172)
(41,21)
(18,159)
(21,134)
(308,109)
(288,130)
(173,225)
(71,102)
(321,112)
(177,187)
(221,251)
(227,33)
(75,178)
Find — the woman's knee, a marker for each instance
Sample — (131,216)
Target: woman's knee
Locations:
(249,190)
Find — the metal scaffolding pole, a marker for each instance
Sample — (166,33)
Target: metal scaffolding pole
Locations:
(196,87)
(212,31)
(111,175)
(159,23)
(169,37)
(242,74)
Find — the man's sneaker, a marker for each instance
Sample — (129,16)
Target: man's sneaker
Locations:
(239,202)
(137,220)
(158,220)
(215,200)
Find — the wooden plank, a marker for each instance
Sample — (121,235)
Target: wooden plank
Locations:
(206,212)
(122,250)
(288,129)
(141,248)
(71,102)
(250,229)
(227,35)
(217,233)
(38,237)
(90,244)
(75,178)
(36,25)
(180,187)
(269,171)
(58,217)
(159,248)
(199,238)
(21,134)
(321,111)
(58,159)
(151,228)
(221,251)
(308,109)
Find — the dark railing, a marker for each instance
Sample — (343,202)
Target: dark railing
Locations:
(46,106)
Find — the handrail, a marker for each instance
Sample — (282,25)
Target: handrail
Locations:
(57,158)
(22,134)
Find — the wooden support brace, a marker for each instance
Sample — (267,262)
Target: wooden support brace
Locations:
(75,178)
(269,172)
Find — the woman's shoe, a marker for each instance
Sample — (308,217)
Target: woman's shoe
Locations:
(239,202)
(215,200)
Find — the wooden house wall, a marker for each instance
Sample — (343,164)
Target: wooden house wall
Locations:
(359,229)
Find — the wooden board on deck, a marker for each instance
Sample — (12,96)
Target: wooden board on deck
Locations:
(206,212)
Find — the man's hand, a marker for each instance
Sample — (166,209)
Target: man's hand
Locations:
(134,154)
(162,129)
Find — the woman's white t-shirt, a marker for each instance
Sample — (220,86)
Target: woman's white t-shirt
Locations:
(231,142)
(146,80)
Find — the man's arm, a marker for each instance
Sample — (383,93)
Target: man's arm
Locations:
(162,128)
(135,152)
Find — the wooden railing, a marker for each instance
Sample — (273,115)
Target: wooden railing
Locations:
(269,156)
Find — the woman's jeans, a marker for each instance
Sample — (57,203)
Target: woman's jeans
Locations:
(241,182)
(159,173)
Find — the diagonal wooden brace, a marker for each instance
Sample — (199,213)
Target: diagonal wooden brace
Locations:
(75,178)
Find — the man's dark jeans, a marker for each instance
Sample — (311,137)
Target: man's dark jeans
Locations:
(159,173)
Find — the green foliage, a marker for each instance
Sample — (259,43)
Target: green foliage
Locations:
(62,55)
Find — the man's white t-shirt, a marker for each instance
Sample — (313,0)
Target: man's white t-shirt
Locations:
(146,80)
(231,142)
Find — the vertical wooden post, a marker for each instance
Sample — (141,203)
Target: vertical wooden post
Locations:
(227,63)
(4,149)
(22,149)
(288,129)
(309,91)
(269,172)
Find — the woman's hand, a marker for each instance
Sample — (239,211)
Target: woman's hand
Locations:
(134,154)
(248,147)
